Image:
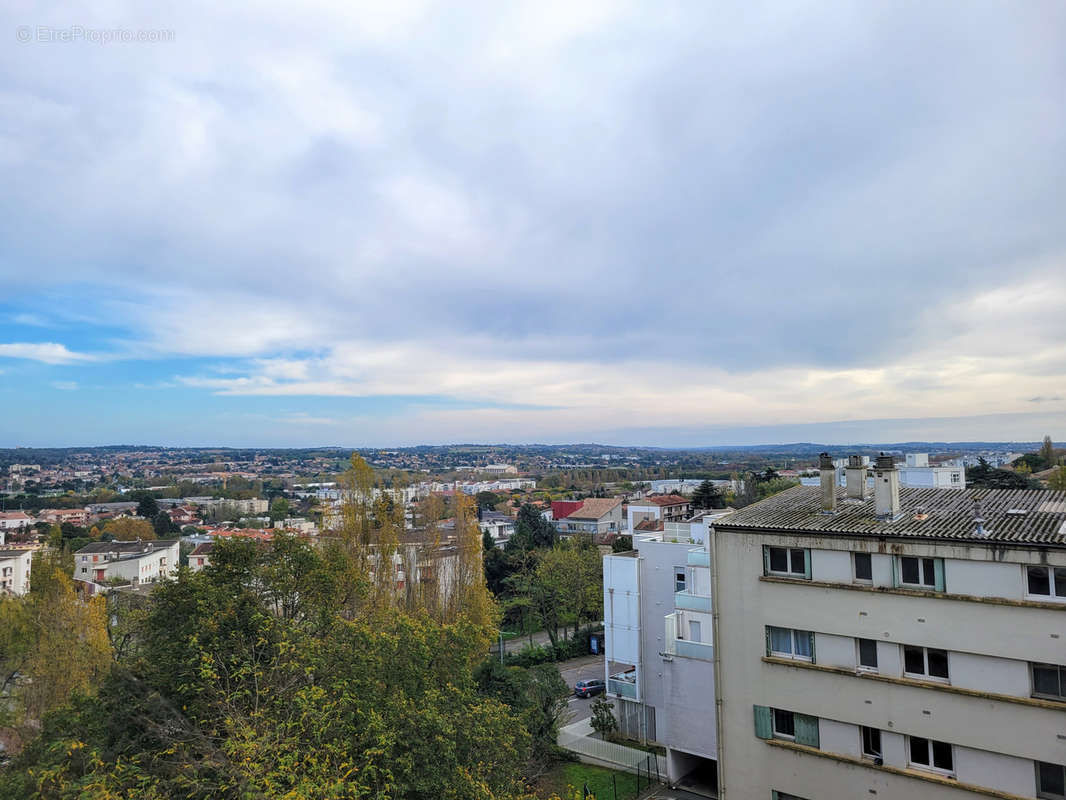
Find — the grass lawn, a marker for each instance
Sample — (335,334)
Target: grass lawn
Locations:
(600,781)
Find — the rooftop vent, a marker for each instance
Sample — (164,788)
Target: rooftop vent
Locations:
(1017,512)
(978,520)
(920,514)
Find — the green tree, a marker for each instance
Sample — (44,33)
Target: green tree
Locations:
(532,530)
(603,721)
(707,496)
(487,500)
(1047,452)
(147,507)
(279,509)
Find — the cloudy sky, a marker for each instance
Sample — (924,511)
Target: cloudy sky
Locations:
(675,223)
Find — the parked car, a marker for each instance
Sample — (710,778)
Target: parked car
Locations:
(590,688)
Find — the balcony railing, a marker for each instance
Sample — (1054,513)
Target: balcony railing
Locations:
(699,558)
(701,650)
(623,684)
(692,602)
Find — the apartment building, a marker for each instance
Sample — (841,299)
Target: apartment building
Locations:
(656,508)
(597,516)
(134,563)
(659,649)
(899,643)
(15,566)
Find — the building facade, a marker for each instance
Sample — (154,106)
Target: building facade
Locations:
(900,644)
(132,563)
(15,567)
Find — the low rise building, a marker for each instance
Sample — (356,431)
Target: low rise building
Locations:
(200,557)
(133,563)
(15,520)
(15,567)
(665,507)
(595,516)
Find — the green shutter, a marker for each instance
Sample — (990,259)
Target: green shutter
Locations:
(895,572)
(807,564)
(938,573)
(806,730)
(765,559)
(764,726)
(774,795)
(814,658)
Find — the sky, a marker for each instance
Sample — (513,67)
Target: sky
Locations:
(668,223)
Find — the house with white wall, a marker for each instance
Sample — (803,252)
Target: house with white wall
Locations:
(15,567)
(134,563)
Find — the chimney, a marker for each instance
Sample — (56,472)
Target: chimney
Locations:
(828,477)
(886,487)
(978,520)
(856,477)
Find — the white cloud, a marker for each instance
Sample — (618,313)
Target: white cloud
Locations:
(46,352)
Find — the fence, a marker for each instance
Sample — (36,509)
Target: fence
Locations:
(648,768)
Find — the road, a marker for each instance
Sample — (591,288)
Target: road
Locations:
(521,642)
(580,669)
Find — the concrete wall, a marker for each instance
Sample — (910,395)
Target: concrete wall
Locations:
(984,578)
(621,608)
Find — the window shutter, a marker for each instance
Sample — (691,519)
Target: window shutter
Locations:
(806,730)
(765,559)
(895,572)
(764,726)
(774,795)
(814,658)
(938,573)
(807,564)
(769,650)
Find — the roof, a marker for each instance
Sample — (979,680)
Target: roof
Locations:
(127,547)
(561,509)
(14,515)
(203,549)
(14,553)
(647,525)
(595,508)
(662,500)
(1016,516)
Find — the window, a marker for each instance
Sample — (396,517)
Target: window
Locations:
(1050,781)
(863,567)
(925,662)
(1049,680)
(84,569)
(917,572)
(789,643)
(868,654)
(1047,582)
(784,724)
(871,742)
(930,753)
(956,477)
(695,630)
(791,561)
(679,579)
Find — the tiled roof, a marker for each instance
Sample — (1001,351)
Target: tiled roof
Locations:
(664,500)
(647,525)
(203,549)
(595,508)
(561,509)
(1010,515)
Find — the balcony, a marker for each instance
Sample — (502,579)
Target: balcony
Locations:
(700,650)
(692,602)
(699,558)
(623,684)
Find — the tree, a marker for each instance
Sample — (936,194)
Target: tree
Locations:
(162,524)
(129,529)
(603,721)
(279,509)
(1057,480)
(532,530)
(988,477)
(487,500)
(147,507)
(1047,452)
(707,496)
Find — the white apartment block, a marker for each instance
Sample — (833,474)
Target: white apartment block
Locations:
(833,642)
(15,566)
(908,644)
(133,562)
(659,649)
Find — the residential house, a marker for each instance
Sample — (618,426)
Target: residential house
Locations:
(597,516)
(499,526)
(15,520)
(200,557)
